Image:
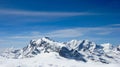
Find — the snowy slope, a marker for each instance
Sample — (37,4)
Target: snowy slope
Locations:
(49,60)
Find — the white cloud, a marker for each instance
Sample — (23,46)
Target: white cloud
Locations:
(38,13)
(65,33)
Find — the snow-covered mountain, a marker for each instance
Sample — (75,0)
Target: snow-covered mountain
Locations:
(42,45)
(79,50)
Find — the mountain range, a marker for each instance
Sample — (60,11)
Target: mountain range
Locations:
(79,50)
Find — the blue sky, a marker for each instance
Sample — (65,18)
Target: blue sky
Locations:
(62,20)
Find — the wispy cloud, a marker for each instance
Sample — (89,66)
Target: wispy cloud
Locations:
(69,33)
(39,13)
(77,32)
(65,33)
(16,17)
(113,25)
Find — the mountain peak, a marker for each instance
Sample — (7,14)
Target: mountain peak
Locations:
(46,39)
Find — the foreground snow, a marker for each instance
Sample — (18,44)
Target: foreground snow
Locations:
(49,60)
